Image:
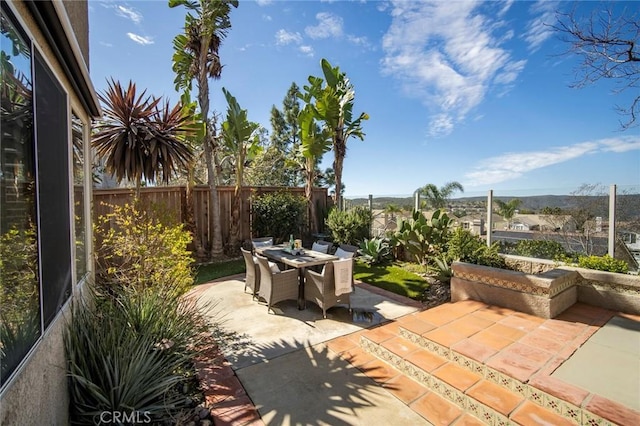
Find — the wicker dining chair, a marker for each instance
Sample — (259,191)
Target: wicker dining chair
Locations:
(252,277)
(276,286)
(320,288)
(322,246)
(261,242)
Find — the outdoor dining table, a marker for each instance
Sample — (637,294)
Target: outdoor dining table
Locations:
(300,261)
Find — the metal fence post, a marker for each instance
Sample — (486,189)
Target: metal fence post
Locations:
(489,216)
(612,221)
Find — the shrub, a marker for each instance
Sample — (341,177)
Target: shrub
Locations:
(375,251)
(466,247)
(132,351)
(279,214)
(422,238)
(603,263)
(540,249)
(142,247)
(351,226)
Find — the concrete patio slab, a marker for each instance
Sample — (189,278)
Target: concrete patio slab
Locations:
(251,335)
(608,364)
(314,386)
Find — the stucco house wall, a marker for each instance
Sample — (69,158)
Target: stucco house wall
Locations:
(36,392)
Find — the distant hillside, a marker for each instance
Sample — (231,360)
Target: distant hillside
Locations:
(534,202)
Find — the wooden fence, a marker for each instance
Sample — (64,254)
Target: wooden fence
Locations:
(173,200)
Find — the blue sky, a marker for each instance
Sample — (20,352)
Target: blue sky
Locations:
(474,92)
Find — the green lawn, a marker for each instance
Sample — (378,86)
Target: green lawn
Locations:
(212,271)
(393,277)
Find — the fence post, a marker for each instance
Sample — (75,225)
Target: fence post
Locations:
(489,216)
(370,202)
(612,221)
(416,198)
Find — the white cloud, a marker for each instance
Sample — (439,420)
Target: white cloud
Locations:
(515,164)
(128,13)
(140,39)
(538,29)
(267,18)
(359,41)
(329,25)
(283,37)
(307,50)
(447,54)
(620,144)
(264,2)
(106,44)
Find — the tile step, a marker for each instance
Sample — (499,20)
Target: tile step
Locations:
(488,395)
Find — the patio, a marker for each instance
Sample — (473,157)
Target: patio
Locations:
(392,363)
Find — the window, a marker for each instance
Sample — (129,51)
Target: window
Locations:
(19,285)
(77,134)
(35,220)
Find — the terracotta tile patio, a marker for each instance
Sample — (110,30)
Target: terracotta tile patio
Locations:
(464,363)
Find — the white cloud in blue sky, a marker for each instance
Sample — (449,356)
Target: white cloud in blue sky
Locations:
(329,26)
(539,28)
(456,90)
(128,13)
(450,55)
(140,39)
(284,37)
(515,164)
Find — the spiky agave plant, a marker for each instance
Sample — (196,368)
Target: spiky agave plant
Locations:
(139,138)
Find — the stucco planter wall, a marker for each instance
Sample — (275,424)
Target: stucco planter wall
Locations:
(546,294)
(618,292)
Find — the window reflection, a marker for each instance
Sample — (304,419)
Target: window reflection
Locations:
(77,133)
(19,290)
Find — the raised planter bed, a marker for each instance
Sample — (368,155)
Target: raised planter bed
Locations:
(545,294)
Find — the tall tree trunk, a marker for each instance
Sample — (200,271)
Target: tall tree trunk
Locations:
(215,237)
(189,210)
(308,192)
(340,151)
(236,226)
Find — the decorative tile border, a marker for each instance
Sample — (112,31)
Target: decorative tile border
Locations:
(506,283)
(613,287)
(467,403)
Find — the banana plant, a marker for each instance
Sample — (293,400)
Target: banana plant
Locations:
(240,137)
(332,101)
(242,143)
(315,141)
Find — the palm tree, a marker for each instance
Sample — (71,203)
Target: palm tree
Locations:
(196,56)
(334,105)
(138,139)
(315,141)
(438,198)
(241,140)
(508,209)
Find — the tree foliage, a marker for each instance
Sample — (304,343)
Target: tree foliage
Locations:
(278,215)
(351,226)
(196,57)
(438,198)
(507,209)
(332,99)
(140,138)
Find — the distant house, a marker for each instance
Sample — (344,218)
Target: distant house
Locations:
(537,222)
(632,241)
(473,223)
(47,106)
